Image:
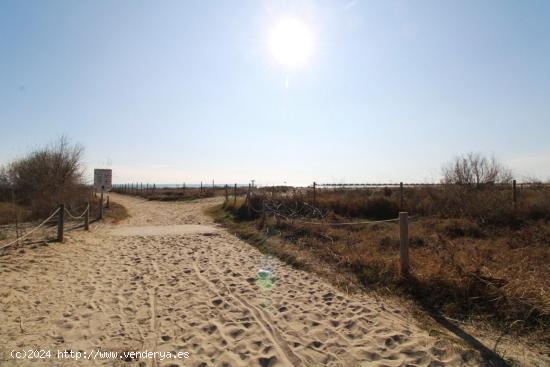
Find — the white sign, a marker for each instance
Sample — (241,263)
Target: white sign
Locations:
(103,179)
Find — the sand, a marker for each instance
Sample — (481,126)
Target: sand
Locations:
(169,279)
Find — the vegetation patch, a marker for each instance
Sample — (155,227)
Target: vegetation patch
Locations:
(462,265)
(116,212)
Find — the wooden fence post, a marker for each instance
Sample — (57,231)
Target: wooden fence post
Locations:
(514,194)
(226,193)
(101,206)
(404,242)
(60,220)
(314,198)
(87,218)
(16,217)
(248,201)
(108,203)
(401,196)
(235,195)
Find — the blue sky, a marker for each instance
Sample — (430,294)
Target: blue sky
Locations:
(184,91)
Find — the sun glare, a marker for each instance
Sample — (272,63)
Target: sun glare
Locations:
(291,43)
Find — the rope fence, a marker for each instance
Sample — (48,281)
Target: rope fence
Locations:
(32,230)
(77,217)
(58,218)
(276,213)
(403,219)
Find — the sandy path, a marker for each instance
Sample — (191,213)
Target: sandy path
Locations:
(168,279)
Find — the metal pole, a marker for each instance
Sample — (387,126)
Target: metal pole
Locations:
(404,242)
(60,219)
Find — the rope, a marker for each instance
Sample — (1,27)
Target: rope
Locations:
(351,223)
(33,230)
(335,224)
(77,217)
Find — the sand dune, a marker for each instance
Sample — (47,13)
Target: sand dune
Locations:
(168,279)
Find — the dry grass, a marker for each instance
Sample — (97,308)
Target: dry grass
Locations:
(116,212)
(10,211)
(469,264)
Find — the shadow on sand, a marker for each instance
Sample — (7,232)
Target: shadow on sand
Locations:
(490,358)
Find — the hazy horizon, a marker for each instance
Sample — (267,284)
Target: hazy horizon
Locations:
(295,92)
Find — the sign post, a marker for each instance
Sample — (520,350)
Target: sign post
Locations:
(103,182)
(103,179)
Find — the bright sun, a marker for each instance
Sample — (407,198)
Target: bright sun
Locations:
(291,43)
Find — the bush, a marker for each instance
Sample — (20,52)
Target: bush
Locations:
(44,178)
(240,211)
(381,208)
(462,228)
(537,209)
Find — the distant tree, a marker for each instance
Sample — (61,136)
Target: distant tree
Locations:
(475,169)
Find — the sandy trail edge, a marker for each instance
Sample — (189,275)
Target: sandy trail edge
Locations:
(182,284)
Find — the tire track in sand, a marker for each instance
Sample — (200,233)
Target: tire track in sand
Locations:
(258,313)
(290,359)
